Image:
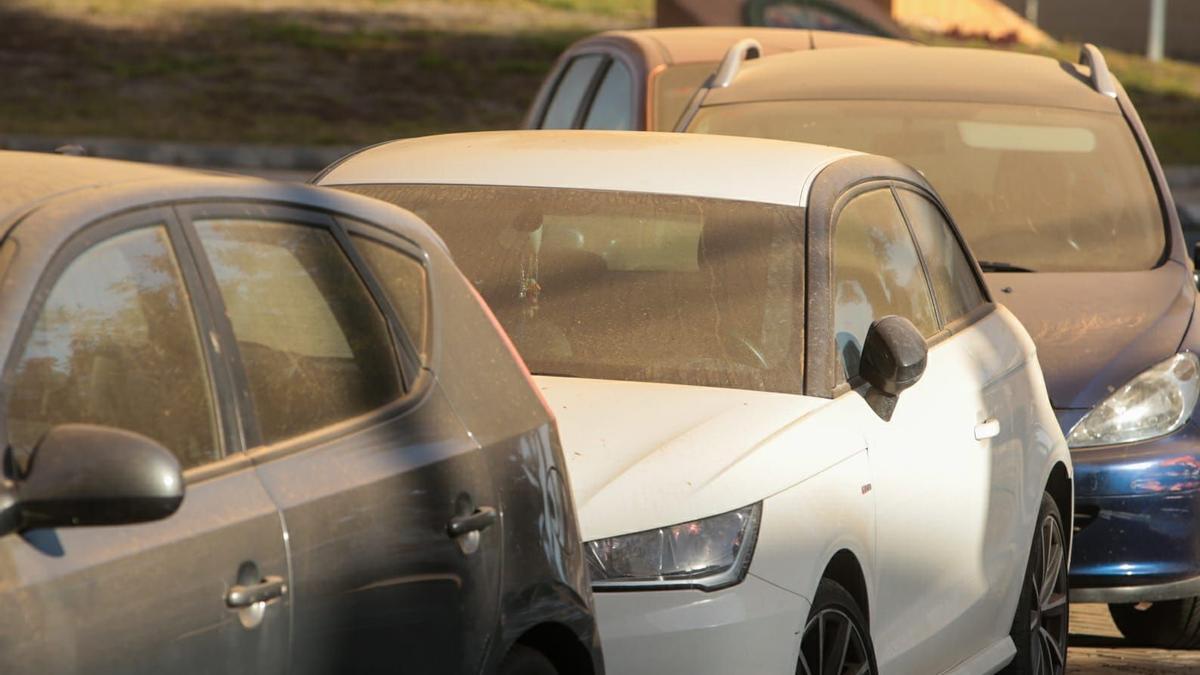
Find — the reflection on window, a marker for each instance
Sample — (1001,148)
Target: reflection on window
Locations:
(950,272)
(569,93)
(612,108)
(876,273)
(403,279)
(116,345)
(315,348)
(627,286)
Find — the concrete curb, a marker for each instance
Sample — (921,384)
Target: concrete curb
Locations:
(222,155)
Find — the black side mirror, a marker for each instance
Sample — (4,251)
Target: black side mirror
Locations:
(82,474)
(893,359)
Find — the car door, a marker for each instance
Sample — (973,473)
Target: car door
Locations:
(930,476)
(113,336)
(388,509)
(1003,421)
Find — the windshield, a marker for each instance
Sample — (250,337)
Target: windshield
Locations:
(673,87)
(1039,189)
(627,286)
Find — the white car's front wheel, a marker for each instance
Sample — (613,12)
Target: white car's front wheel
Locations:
(836,638)
(1039,629)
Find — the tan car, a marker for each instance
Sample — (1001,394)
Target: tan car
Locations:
(642,79)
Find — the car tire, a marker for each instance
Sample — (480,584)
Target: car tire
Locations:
(1173,624)
(1041,624)
(834,607)
(524,660)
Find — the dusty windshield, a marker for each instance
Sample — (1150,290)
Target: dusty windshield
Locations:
(627,286)
(1038,189)
(673,88)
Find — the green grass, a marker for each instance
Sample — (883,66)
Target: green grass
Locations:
(355,71)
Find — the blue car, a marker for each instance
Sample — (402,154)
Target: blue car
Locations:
(1049,173)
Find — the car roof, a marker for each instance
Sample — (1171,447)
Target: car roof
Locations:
(709,43)
(694,165)
(62,193)
(33,177)
(926,74)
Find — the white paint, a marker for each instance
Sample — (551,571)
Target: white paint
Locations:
(694,165)
(943,534)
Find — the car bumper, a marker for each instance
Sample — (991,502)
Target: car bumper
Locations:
(1137,520)
(753,627)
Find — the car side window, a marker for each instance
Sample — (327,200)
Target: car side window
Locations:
(116,344)
(404,281)
(315,347)
(876,272)
(572,87)
(612,107)
(951,274)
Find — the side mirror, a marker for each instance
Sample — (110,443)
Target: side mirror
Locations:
(893,359)
(81,474)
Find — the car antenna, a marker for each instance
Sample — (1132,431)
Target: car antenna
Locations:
(743,50)
(1101,79)
(812,39)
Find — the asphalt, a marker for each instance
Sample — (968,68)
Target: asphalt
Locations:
(1097,648)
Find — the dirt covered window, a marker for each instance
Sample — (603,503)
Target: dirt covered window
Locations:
(628,286)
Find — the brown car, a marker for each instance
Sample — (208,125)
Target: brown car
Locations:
(641,80)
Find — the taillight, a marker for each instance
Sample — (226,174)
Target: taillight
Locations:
(511,349)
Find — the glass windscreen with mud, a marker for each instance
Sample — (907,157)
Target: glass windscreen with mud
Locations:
(627,286)
(1031,188)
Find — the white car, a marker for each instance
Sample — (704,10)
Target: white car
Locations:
(797,427)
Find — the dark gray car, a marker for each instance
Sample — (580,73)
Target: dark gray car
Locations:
(298,438)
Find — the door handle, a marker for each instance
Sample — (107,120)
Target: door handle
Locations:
(483,518)
(246,595)
(989,428)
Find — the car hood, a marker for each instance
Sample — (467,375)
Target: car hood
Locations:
(644,455)
(1096,330)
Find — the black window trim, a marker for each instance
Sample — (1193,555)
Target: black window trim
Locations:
(226,432)
(253,445)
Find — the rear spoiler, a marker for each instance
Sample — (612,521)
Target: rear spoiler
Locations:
(742,51)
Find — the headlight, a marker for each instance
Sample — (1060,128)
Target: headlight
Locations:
(708,554)
(1152,404)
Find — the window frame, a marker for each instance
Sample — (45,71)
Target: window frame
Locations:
(849,197)
(608,57)
(226,435)
(967,319)
(414,386)
(829,189)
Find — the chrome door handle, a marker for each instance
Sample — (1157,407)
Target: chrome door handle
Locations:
(989,428)
(244,596)
(483,518)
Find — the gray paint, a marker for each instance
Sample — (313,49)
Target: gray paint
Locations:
(352,517)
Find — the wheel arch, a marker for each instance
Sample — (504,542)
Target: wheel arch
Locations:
(561,645)
(845,568)
(1059,486)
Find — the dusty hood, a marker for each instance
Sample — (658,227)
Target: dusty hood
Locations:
(1096,330)
(643,455)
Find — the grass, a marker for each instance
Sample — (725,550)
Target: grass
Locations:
(354,71)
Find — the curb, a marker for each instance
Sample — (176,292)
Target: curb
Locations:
(223,155)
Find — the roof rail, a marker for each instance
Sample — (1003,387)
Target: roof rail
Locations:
(743,50)
(746,49)
(1102,80)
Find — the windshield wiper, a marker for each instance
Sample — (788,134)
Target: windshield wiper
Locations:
(994,266)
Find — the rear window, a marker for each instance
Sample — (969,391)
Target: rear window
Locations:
(1044,189)
(627,286)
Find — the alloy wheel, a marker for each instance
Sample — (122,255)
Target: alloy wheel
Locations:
(1047,586)
(833,645)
